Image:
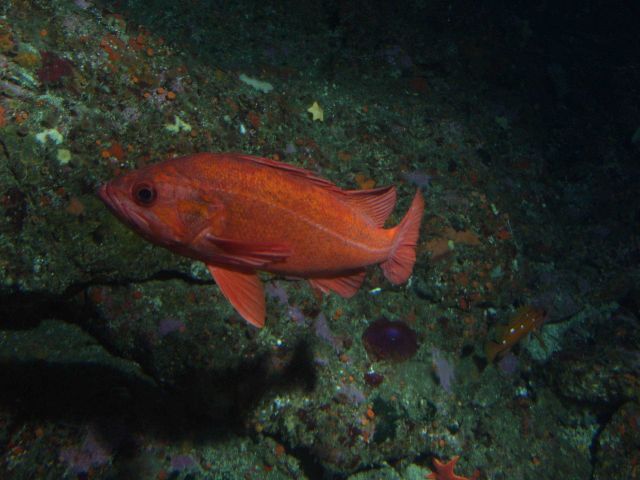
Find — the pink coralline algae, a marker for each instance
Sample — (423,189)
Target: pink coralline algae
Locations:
(91,454)
(183,462)
(419,179)
(170,325)
(53,68)
(275,290)
(322,330)
(351,394)
(444,369)
(391,340)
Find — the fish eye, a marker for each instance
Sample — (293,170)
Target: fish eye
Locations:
(144,194)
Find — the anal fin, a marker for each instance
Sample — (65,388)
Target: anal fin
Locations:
(346,286)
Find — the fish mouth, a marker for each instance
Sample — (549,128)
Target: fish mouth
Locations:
(109,200)
(121,209)
(105,196)
(102,192)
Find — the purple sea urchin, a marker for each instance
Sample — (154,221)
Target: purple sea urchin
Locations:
(391,340)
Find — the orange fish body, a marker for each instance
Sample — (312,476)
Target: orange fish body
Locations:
(240,214)
(524,321)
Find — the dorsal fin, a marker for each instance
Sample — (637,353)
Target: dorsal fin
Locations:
(291,169)
(377,203)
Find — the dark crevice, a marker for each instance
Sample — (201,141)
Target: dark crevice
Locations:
(309,462)
(312,465)
(604,417)
(159,276)
(24,310)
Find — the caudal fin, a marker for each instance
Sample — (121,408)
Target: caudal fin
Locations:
(398,267)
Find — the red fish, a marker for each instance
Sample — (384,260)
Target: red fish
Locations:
(240,214)
(525,320)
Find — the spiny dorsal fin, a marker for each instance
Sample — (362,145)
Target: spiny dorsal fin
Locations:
(291,169)
(376,203)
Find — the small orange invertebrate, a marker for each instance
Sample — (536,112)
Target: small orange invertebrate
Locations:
(444,471)
(21,117)
(279,450)
(75,207)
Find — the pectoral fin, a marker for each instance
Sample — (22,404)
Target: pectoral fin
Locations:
(345,286)
(247,254)
(244,291)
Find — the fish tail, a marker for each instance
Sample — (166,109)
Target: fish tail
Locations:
(398,267)
(492,350)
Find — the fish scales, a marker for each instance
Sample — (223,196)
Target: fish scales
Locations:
(293,210)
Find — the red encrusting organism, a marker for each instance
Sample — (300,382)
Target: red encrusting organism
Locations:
(53,68)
